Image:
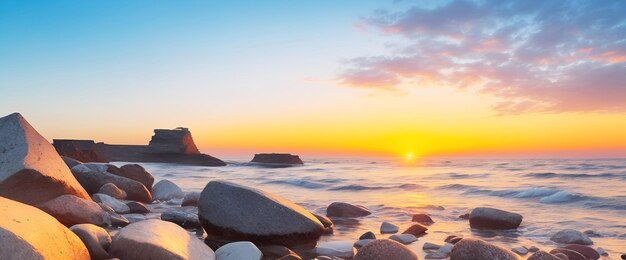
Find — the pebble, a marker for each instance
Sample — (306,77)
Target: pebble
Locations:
(422,218)
(520,250)
(388,228)
(404,238)
(430,246)
(368,235)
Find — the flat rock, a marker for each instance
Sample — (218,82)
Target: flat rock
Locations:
(242,250)
(430,246)
(237,212)
(156,239)
(31,171)
(388,228)
(584,250)
(404,238)
(29,233)
(490,218)
(571,254)
(368,235)
(71,210)
(570,236)
(385,249)
(422,219)
(344,249)
(138,173)
(114,203)
(93,175)
(476,249)
(70,162)
(191,199)
(137,207)
(96,239)
(181,218)
(543,255)
(277,158)
(113,191)
(165,190)
(345,210)
(416,230)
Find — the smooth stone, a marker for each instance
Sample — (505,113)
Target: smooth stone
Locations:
(242,250)
(465,216)
(137,207)
(385,249)
(416,230)
(561,256)
(404,238)
(117,220)
(446,249)
(29,233)
(31,170)
(71,210)
(335,248)
(430,246)
(191,199)
(236,212)
(533,249)
(105,207)
(422,218)
(602,252)
(584,250)
(543,255)
(156,239)
(114,203)
(368,235)
(362,242)
(455,240)
(96,239)
(490,218)
(571,254)
(520,250)
(345,210)
(93,175)
(476,249)
(165,190)
(388,228)
(279,252)
(449,238)
(435,255)
(138,173)
(181,218)
(570,236)
(70,162)
(113,191)
(329,226)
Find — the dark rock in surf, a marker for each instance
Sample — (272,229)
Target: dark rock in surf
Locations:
(422,219)
(584,250)
(368,235)
(543,255)
(570,236)
(490,218)
(384,249)
(277,158)
(345,210)
(416,230)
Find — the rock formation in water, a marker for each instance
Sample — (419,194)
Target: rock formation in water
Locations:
(167,145)
(278,158)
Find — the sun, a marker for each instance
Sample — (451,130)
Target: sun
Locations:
(410,156)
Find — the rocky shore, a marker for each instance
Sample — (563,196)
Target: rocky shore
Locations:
(60,208)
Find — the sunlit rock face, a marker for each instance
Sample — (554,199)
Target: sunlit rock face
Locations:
(177,140)
(156,239)
(31,171)
(233,212)
(29,233)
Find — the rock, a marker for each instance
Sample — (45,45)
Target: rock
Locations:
(96,239)
(476,249)
(520,250)
(165,190)
(242,250)
(31,171)
(430,246)
(435,255)
(137,207)
(490,218)
(623,256)
(329,226)
(134,217)
(422,219)
(191,199)
(571,254)
(118,220)
(156,239)
(570,236)
(385,249)
(81,150)
(602,252)
(561,256)
(340,209)
(388,228)
(464,216)
(105,207)
(446,249)
(416,230)
(543,255)
(236,212)
(138,173)
(115,204)
(449,238)
(584,250)
(70,162)
(362,242)
(455,240)
(29,233)
(71,210)
(93,176)
(591,233)
(342,249)
(533,249)
(182,218)
(278,252)
(113,191)
(277,158)
(404,238)
(368,235)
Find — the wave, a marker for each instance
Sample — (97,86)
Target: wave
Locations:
(562,197)
(455,175)
(357,187)
(547,175)
(298,183)
(545,195)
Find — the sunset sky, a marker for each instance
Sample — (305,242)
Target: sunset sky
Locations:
(324,78)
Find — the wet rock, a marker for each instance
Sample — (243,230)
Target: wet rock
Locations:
(156,239)
(602,252)
(570,236)
(435,255)
(329,226)
(31,171)
(430,246)
(368,235)
(138,173)
(449,238)
(476,249)
(182,218)
(623,256)
(446,249)
(96,239)
(388,228)
(465,216)
(115,204)
(137,207)
(238,251)
(416,230)
(345,210)
(490,218)
(362,242)
(117,220)
(404,238)
(520,250)
(342,249)
(422,219)
(584,250)
(455,240)
(571,254)
(29,233)
(543,255)
(92,176)
(279,252)
(113,191)
(385,249)
(277,158)
(165,190)
(533,249)
(71,210)
(70,162)
(236,212)
(191,199)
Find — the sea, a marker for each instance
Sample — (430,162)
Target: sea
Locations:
(551,194)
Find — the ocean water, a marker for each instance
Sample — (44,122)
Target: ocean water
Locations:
(550,194)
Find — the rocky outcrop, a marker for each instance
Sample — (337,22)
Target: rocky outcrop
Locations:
(81,150)
(277,158)
(385,249)
(30,170)
(71,210)
(469,248)
(29,233)
(178,140)
(490,218)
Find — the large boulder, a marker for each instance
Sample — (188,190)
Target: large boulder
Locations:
(138,173)
(166,190)
(96,239)
(341,209)
(235,212)
(31,171)
(571,236)
(29,233)
(476,249)
(242,250)
(92,176)
(71,210)
(490,218)
(156,239)
(384,249)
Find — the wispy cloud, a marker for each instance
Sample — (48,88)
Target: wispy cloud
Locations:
(548,56)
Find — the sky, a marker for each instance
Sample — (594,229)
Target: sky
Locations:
(452,78)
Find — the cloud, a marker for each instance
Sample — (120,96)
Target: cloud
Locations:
(537,56)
